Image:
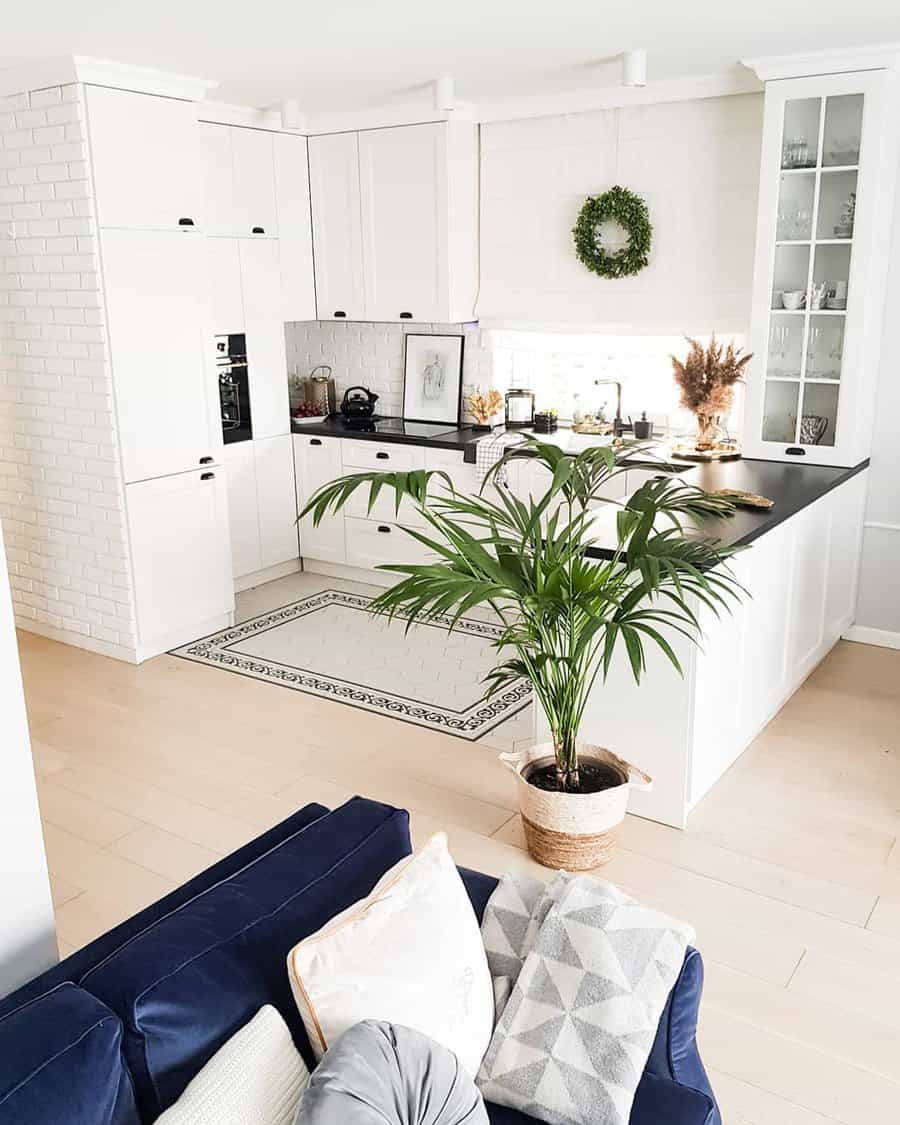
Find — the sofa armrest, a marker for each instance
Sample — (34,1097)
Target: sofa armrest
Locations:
(660,1101)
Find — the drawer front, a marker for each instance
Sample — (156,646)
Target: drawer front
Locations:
(383,510)
(371,544)
(382,456)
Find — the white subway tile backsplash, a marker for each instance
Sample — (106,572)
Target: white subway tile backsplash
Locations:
(61,492)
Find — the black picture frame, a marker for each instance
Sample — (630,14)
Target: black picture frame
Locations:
(448,408)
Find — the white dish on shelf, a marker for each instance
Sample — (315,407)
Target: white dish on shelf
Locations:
(838,303)
(309,418)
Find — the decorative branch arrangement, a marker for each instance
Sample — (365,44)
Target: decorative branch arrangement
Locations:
(706,378)
(483,407)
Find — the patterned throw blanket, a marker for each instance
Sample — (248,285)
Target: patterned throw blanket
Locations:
(581,976)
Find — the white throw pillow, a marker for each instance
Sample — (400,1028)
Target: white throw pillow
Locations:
(256,1078)
(410,953)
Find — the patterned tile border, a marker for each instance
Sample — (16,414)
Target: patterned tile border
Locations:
(471,723)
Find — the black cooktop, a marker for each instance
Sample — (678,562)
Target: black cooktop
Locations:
(398,426)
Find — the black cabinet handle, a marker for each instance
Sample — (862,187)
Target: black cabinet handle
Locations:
(315,441)
(207,476)
(258,230)
(206,460)
(339,312)
(795,451)
(384,529)
(383,456)
(185,222)
(406,316)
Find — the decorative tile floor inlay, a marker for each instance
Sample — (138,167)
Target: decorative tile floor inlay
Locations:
(330,645)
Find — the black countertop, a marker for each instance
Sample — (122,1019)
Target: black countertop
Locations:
(792,486)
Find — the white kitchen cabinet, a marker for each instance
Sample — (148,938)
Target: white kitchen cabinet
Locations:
(243,508)
(226,296)
(374,543)
(146,158)
(298,289)
(253,160)
(395,222)
(218,179)
(337,231)
(317,461)
(264,326)
(829,156)
(403,181)
(276,500)
(180,554)
(157,310)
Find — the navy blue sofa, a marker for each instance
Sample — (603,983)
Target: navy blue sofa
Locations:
(113,1034)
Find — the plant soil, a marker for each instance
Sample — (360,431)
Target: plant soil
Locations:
(593,777)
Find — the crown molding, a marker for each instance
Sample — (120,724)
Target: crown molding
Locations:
(66,69)
(221,113)
(809,64)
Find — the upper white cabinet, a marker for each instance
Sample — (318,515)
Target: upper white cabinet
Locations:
(157,313)
(146,161)
(825,207)
(395,222)
(239,181)
(337,232)
(298,290)
(403,181)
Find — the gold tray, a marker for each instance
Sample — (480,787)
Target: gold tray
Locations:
(686,452)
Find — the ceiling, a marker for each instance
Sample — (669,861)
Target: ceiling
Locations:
(354,54)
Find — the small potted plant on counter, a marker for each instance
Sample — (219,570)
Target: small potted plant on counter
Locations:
(563,613)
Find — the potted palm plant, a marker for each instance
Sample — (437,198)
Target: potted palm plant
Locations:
(563,612)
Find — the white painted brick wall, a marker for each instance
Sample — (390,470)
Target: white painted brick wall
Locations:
(371,355)
(61,491)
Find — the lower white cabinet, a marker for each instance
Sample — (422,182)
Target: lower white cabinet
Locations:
(374,543)
(264,325)
(262,506)
(180,549)
(317,460)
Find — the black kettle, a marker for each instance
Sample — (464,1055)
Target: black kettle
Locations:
(359,402)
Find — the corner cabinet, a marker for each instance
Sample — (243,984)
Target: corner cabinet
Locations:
(395,222)
(825,209)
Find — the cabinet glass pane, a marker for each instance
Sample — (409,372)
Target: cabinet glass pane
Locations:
(795,206)
(791,277)
(831,268)
(837,205)
(843,130)
(825,348)
(800,144)
(780,413)
(820,401)
(785,346)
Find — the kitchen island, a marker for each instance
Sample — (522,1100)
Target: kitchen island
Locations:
(800,571)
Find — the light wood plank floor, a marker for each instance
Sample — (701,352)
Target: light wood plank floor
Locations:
(790,869)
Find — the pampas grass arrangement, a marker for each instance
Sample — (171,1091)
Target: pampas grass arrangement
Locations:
(706,378)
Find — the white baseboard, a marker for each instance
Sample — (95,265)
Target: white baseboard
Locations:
(864,635)
(79,640)
(268,574)
(350,573)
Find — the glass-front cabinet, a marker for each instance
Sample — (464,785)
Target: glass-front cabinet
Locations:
(825,212)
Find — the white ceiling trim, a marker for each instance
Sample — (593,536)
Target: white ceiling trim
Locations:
(64,69)
(811,63)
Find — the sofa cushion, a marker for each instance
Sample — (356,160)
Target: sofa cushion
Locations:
(61,1060)
(186,984)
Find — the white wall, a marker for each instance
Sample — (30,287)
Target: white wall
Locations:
(879,585)
(27,934)
(696,163)
(61,495)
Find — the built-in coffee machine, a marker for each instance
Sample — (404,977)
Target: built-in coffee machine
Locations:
(234,387)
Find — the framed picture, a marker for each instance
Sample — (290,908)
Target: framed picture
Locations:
(432,378)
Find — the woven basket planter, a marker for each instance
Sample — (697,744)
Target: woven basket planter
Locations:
(573,831)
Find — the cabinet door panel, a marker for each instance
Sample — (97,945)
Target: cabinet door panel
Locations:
(403,178)
(318,461)
(266,356)
(225,285)
(218,179)
(337,235)
(298,288)
(276,500)
(243,508)
(146,154)
(181,556)
(371,544)
(254,183)
(157,306)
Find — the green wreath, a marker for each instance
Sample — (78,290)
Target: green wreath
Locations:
(628,210)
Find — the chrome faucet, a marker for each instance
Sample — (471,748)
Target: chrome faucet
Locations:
(617,421)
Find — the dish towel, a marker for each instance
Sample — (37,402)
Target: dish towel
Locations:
(581,975)
(488,452)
